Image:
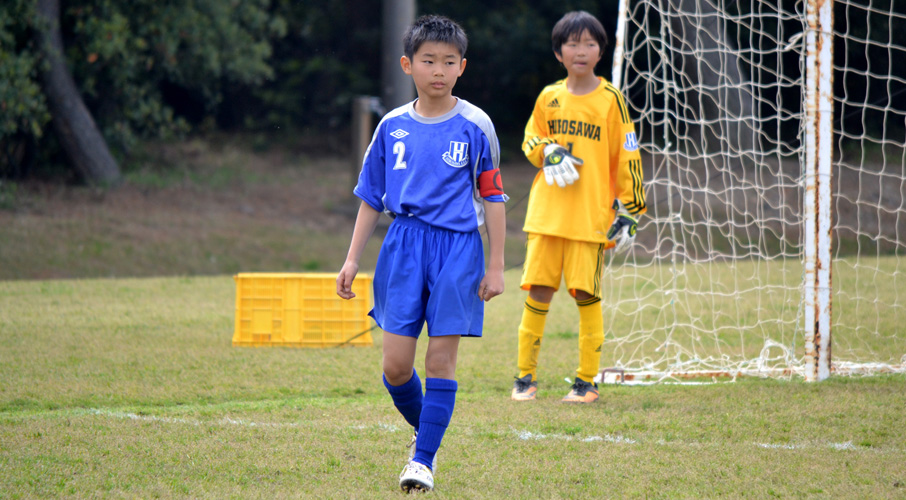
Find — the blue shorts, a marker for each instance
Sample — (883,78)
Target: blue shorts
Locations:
(425,273)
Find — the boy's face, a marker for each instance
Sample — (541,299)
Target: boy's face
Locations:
(580,54)
(435,67)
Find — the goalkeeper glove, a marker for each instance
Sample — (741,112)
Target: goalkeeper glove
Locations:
(622,231)
(560,165)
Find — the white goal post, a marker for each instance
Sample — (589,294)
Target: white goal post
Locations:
(774,142)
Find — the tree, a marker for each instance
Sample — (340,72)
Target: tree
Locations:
(138,69)
(73,123)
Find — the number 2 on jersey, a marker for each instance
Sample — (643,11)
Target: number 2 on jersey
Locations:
(399,149)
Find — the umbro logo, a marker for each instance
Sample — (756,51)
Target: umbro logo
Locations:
(554,104)
(399,133)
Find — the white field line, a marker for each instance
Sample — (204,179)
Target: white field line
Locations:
(122,415)
(836,446)
(522,435)
(537,436)
(617,439)
(380,425)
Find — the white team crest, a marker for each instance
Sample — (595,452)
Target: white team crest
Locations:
(399,133)
(632,143)
(458,155)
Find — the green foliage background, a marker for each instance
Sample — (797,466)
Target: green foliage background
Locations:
(164,68)
(145,68)
(22,105)
(161,69)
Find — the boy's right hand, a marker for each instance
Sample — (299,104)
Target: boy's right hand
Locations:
(345,279)
(560,165)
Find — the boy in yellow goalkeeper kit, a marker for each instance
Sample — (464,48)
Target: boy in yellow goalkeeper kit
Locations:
(586,197)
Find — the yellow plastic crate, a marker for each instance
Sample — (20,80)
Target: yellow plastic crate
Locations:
(301,310)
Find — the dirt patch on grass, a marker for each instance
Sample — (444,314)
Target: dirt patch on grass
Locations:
(186,183)
(198,207)
(220,206)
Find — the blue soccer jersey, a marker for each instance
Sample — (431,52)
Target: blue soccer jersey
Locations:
(428,168)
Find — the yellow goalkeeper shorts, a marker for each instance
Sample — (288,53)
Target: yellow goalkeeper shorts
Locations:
(550,259)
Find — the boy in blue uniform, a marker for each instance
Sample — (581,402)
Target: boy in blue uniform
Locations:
(433,166)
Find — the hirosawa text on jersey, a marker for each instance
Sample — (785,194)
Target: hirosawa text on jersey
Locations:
(575,127)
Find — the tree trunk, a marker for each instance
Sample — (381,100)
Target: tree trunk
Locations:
(73,123)
(722,107)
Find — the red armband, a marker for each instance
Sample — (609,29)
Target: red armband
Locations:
(489,183)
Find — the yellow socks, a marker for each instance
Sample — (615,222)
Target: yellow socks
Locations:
(591,338)
(531,329)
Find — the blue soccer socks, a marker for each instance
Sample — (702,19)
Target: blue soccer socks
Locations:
(437,408)
(408,399)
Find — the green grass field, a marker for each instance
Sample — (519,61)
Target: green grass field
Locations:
(130,388)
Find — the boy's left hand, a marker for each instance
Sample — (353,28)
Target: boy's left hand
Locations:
(491,285)
(622,231)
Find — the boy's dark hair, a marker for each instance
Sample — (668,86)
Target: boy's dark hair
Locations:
(573,24)
(434,29)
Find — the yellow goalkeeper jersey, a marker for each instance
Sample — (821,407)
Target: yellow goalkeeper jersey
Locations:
(595,127)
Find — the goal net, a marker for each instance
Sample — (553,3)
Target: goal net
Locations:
(774,144)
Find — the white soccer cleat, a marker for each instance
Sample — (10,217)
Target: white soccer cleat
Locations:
(416,478)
